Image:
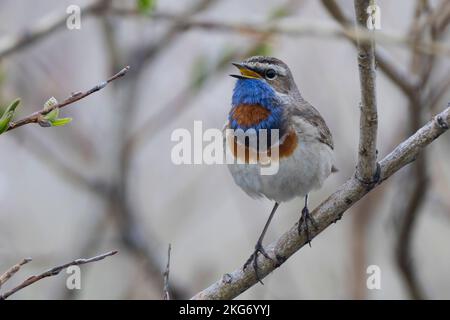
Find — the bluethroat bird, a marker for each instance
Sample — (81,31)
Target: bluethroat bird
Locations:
(266,97)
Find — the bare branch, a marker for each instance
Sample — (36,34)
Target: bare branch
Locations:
(55,271)
(37,116)
(328,212)
(166,295)
(12,271)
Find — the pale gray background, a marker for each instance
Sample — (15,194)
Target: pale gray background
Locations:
(210,222)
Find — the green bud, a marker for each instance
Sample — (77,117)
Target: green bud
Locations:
(50,103)
(60,122)
(7,115)
(52,115)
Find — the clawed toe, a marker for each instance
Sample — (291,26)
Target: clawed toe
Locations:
(254,260)
(306,219)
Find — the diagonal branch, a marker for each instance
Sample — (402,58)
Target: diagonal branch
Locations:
(55,271)
(328,212)
(12,271)
(37,116)
(367,160)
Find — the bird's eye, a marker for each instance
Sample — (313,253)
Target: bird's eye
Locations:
(271,74)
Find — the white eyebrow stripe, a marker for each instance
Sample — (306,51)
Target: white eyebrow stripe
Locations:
(265,66)
(280,70)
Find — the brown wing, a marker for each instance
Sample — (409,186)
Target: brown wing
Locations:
(307,112)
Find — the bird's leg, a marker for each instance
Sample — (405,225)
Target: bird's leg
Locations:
(259,247)
(306,218)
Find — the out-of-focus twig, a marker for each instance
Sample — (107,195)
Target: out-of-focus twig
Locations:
(55,271)
(115,195)
(39,149)
(44,27)
(437,23)
(408,207)
(363,214)
(145,54)
(12,271)
(119,205)
(36,117)
(316,30)
(437,93)
(409,203)
(131,232)
(391,69)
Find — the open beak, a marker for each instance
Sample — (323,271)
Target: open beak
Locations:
(246,72)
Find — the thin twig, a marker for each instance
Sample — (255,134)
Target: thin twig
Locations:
(328,212)
(55,271)
(166,295)
(37,116)
(13,270)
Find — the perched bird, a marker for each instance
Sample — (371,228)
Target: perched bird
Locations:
(266,97)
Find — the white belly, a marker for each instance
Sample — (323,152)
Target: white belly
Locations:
(303,171)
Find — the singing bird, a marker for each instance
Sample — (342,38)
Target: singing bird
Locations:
(265,96)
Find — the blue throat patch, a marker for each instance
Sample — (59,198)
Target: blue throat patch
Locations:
(254,91)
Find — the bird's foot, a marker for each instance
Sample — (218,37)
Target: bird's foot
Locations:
(254,260)
(306,219)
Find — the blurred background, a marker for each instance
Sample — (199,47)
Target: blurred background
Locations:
(106,181)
